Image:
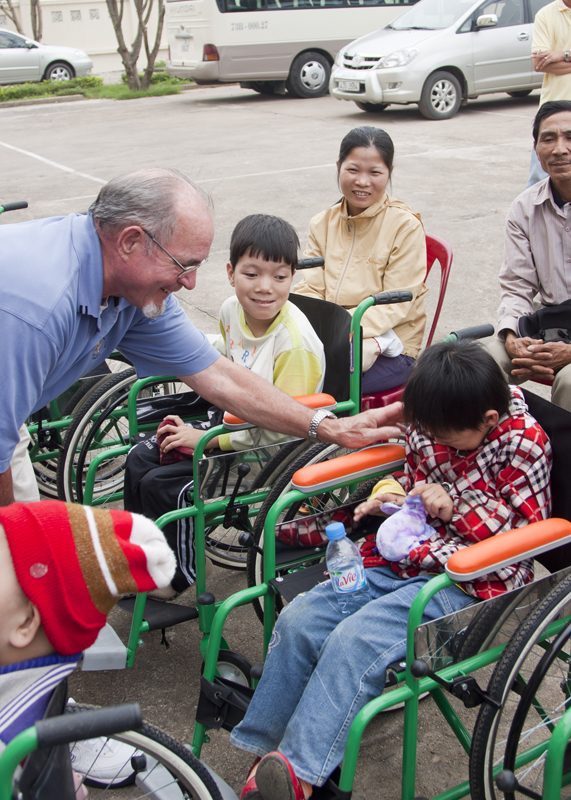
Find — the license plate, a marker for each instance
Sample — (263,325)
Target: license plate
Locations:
(349,86)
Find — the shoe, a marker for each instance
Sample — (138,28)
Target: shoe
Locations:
(250,790)
(167,593)
(276,780)
(103,762)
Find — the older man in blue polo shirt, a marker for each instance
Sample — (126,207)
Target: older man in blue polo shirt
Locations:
(76,288)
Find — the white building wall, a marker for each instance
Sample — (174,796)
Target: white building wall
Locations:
(86,24)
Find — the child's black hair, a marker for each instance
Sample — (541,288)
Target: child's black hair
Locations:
(272,238)
(452,386)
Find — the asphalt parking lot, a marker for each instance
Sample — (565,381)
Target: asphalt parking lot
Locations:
(276,155)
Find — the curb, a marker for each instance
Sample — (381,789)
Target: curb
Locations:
(71,98)
(34,101)
(189,87)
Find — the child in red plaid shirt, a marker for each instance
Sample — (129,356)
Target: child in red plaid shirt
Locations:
(481,465)
(478,470)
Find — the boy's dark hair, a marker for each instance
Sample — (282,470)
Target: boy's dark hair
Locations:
(272,238)
(451,387)
(548,110)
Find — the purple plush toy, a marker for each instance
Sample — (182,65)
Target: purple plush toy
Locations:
(404,530)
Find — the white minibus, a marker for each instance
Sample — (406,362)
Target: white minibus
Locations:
(268,45)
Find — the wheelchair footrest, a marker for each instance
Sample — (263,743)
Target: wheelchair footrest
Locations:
(160,615)
(107,652)
(302,580)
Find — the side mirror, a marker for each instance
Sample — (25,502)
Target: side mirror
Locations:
(31,45)
(487,21)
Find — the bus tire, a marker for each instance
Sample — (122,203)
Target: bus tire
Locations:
(309,75)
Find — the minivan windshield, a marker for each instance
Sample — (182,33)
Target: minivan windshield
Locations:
(431,15)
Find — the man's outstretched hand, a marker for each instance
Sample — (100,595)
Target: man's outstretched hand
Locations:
(376,425)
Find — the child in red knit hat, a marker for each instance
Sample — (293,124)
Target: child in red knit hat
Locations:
(62,569)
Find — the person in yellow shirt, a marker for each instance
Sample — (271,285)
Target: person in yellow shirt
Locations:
(551,54)
(371,243)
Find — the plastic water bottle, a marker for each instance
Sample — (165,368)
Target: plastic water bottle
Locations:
(345,566)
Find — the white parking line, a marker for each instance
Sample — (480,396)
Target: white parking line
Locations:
(463,150)
(52,163)
(502,114)
(437,153)
(69,199)
(261,174)
(433,153)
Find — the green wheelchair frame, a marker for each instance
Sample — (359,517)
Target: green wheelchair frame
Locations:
(415,680)
(211,512)
(554,763)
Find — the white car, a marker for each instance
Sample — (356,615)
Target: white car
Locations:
(23,60)
(440,54)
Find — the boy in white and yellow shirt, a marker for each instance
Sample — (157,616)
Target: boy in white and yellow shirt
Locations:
(260,329)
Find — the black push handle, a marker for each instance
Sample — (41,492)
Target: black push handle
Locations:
(475,332)
(387,298)
(14,206)
(309,263)
(80,725)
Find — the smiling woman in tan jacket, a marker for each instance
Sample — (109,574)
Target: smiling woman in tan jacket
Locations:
(371,243)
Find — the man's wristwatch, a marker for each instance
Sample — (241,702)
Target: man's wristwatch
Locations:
(566,54)
(318,417)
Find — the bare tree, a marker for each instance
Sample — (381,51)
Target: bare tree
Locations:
(37,22)
(8,9)
(130,57)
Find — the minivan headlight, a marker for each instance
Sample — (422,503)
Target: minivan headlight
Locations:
(400,58)
(339,58)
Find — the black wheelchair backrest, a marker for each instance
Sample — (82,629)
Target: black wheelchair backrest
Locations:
(332,323)
(556,422)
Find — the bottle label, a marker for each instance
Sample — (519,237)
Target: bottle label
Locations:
(349,580)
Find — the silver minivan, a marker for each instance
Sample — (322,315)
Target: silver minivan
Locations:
(440,54)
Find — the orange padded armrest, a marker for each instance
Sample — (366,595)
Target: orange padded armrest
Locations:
(319,400)
(359,465)
(504,549)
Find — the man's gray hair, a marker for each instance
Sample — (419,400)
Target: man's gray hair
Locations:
(147,198)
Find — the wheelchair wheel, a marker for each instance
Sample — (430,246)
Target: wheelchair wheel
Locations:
(222,545)
(322,502)
(51,441)
(100,423)
(92,430)
(233,666)
(495,623)
(507,684)
(165,767)
(551,676)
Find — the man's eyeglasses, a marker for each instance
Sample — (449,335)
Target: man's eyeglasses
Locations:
(183,270)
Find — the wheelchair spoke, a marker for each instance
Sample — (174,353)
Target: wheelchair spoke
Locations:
(162,768)
(532,684)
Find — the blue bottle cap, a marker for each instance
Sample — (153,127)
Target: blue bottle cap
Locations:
(334,531)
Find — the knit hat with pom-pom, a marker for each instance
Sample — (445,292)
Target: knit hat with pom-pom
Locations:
(73,562)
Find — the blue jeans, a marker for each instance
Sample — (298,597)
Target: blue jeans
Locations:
(322,668)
